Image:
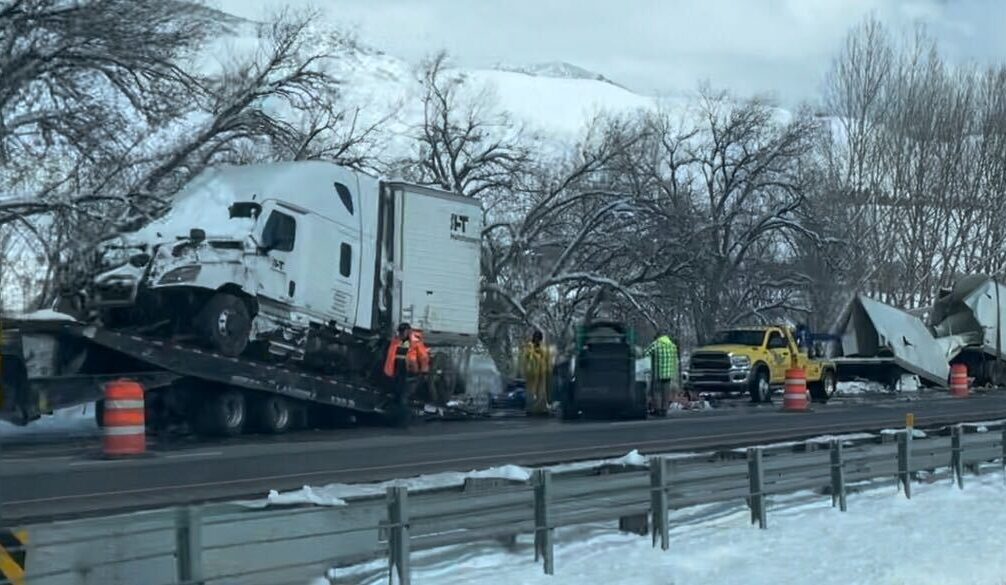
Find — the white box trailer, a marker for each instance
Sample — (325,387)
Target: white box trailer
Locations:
(436,259)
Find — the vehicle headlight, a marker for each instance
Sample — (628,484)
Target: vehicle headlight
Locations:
(183,274)
(740,361)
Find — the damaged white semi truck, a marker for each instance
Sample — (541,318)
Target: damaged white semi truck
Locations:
(304,268)
(312,261)
(965,325)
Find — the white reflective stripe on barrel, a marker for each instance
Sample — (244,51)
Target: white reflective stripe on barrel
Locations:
(794,396)
(121,404)
(130,430)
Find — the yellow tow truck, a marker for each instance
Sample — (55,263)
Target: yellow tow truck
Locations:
(755,360)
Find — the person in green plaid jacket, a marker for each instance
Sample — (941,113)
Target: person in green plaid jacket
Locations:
(664,385)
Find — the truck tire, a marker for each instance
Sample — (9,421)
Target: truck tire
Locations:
(221,413)
(225,324)
(822,390)
(760,387)
(273,414)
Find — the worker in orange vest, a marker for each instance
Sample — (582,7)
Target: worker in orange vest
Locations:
(407,350)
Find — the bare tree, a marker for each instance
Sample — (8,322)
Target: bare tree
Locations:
(75,79)
(150,124)
(749,183)
(465,145)
(910,181)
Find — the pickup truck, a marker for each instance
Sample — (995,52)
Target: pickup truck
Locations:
(755,360)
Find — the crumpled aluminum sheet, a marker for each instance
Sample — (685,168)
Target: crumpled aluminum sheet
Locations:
(874,329)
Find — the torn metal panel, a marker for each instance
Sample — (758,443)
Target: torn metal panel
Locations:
(875,330)
(973,312)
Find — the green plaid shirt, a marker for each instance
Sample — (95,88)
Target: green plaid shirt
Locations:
(664,359)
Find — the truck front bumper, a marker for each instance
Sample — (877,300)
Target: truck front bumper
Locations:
(732,380)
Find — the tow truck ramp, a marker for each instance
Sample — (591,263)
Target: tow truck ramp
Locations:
(51,365)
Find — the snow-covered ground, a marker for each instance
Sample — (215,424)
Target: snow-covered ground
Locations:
(66,422)
(942,536)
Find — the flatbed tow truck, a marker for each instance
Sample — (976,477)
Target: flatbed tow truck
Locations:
(49,365)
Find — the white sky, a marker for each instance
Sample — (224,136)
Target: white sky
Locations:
(782,47)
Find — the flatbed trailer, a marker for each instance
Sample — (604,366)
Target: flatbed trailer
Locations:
(49,365)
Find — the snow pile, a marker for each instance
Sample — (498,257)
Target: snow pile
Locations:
(508,472)
(857,387)
(985,424)
(336,494)
(305,495)
(942,536)
(631,458)
(916,433)
(203,203)
(844,438)
(72,421)
(43,315)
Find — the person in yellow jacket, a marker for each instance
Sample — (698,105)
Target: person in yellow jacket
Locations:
(536,367)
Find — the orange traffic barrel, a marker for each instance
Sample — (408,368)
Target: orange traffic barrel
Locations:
(959,381)
(124,419)
(794,397)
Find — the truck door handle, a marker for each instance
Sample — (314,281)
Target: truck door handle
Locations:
(292,288)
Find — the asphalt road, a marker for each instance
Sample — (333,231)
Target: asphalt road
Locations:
(44,482)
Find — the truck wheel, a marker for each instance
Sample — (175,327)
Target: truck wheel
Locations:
(273,414)
(225,324)
(222,414)
(824,389)
(761,387)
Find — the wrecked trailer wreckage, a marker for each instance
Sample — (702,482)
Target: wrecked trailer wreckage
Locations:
(965,325)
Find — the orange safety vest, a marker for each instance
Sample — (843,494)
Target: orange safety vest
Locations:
(417,357)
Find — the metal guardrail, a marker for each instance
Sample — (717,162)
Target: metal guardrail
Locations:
(231,544)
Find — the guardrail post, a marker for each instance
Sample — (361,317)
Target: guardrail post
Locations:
(905,461)
(543,532)
(1003,458)
(398,535)
(757,481)
(658,502)
(974,467)
(837,475)
(957,454)
(189,545)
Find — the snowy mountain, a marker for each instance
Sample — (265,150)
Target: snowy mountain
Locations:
(554,100)
(558,69)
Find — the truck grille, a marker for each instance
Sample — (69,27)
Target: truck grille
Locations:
(710,360)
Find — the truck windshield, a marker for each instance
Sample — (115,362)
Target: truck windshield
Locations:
(739,337)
